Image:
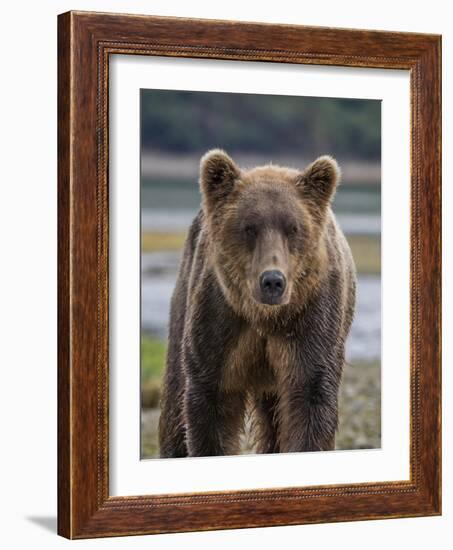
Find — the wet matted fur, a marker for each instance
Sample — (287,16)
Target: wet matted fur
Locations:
(230,348)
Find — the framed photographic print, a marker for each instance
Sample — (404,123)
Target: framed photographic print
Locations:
(249,275)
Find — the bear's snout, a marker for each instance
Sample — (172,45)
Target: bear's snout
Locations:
(272,286)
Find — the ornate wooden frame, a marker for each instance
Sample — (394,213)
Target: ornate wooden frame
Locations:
(85,42)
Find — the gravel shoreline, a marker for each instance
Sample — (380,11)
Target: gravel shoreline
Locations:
(359,413)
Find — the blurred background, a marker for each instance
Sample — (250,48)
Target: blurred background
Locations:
(177,128)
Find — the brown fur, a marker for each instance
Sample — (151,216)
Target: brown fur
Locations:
(228,349)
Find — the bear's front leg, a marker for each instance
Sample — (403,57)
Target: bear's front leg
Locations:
(308,364)
(213,417)
(213,420)
(308,406)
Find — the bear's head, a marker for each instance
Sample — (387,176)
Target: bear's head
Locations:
(265,226)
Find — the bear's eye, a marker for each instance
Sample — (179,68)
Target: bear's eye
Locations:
(292,230)
(250,230)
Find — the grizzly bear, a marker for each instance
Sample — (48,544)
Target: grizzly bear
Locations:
(260,313)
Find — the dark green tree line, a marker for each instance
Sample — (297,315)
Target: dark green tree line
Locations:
(191,122)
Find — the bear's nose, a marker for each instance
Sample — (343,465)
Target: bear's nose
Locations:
(272,283)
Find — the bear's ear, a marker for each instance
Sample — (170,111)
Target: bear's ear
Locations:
(320,179)
(218,174)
